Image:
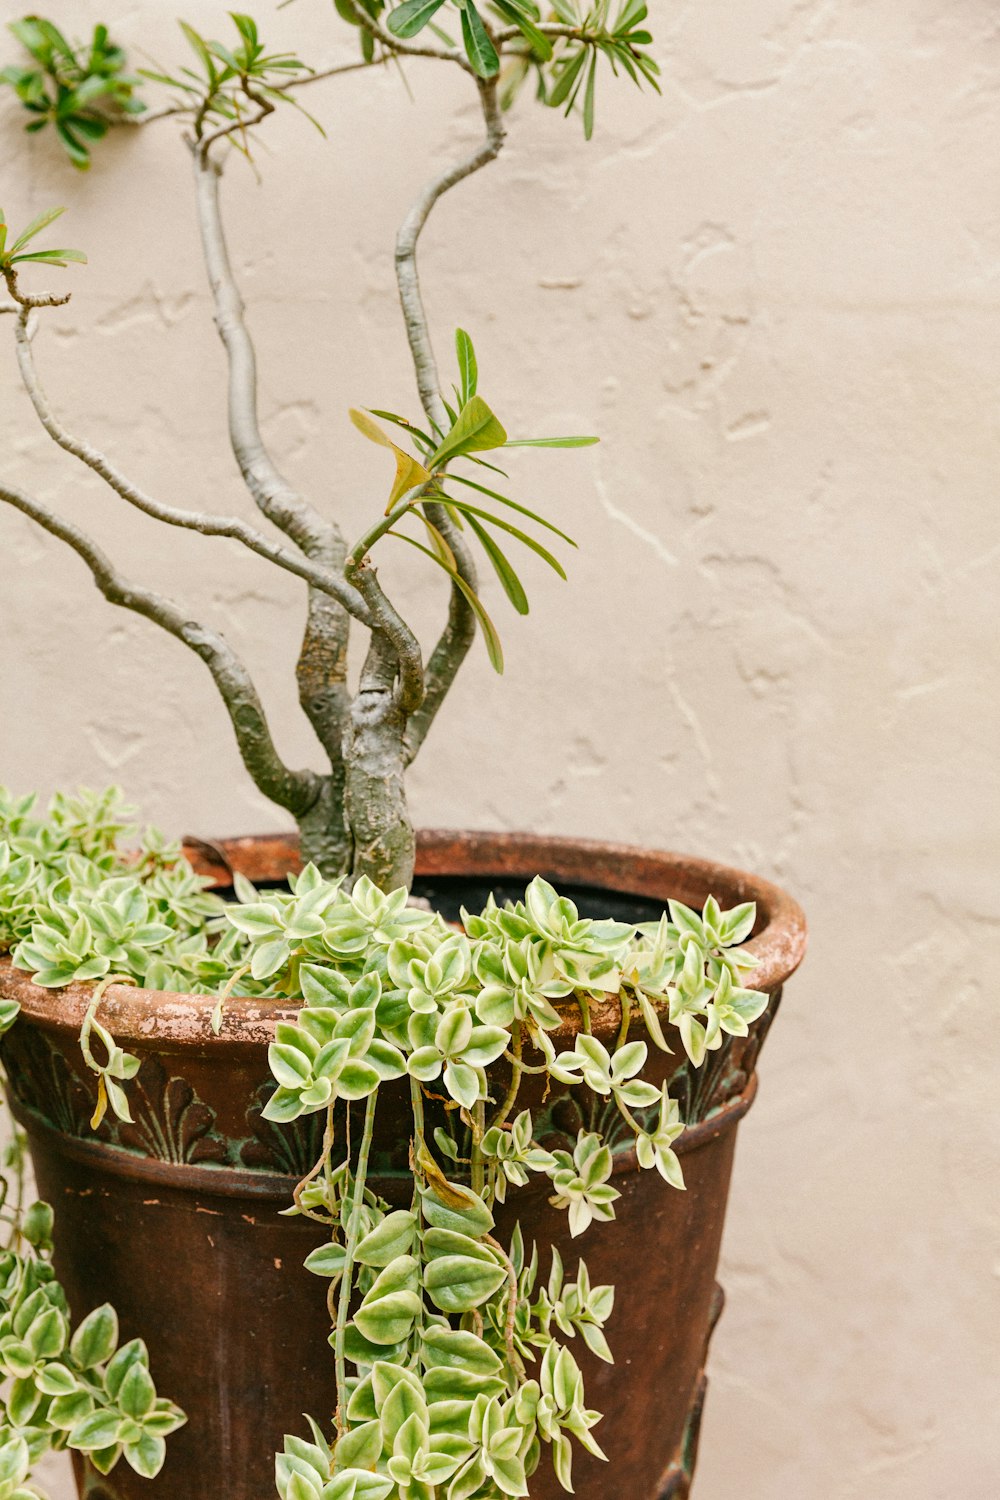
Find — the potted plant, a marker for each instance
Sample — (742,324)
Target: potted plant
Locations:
(374,1098)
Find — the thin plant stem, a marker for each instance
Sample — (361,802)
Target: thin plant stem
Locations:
(478,1159)
(511,1318)
(626,1019)
(351,1244)
(516,1072)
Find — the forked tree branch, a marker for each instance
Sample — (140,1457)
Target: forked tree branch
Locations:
(238,126)
(321,669)
(208,525)
(393,627)
(460,629)
(295,790)
(183,107)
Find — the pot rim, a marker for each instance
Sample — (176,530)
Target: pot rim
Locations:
(168,1019)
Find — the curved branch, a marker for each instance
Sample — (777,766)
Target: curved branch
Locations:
(294,790)
(205,143)
(230,527)
(150,116)
(452,646)
(547,28)
(274,496)
(321,666)
(460,629)
(25,300)
(403,48)
(407,275)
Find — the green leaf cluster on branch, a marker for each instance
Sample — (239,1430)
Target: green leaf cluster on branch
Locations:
(81,90)
(454,1367)
(352,813)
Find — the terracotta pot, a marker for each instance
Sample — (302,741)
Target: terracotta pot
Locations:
(176,1218)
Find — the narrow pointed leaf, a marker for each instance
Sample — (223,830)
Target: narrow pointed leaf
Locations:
(555,442)
(480,50)
(588,100)
(36,226)
(444,553)
(470,511)
(509,580)
(404,422)
(468,369)
(564,84)
(513,504)
(525,24)
(51,257)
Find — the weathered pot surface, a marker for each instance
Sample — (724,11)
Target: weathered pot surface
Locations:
(177,1218)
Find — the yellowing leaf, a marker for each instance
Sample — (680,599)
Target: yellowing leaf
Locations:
(409,471)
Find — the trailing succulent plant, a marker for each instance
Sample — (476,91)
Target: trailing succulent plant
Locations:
(453,1357)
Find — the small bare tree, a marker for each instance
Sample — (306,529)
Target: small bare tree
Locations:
(352,815)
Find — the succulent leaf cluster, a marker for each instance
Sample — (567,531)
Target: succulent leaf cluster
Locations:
(456,1373)
(64,1389)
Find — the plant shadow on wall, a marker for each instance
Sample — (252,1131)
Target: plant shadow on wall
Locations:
(433,1072)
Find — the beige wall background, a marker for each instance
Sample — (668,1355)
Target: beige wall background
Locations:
(776,293)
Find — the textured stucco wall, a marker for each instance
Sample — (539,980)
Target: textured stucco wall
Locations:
(776,293)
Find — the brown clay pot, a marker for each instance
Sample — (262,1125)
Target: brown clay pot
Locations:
(176,1219)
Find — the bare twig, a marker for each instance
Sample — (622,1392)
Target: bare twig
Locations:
(25,299)
(275,497)
(460,628)
(335,71)
(407,275)
(547,28)
(209,525)
(150,116)
(294,790)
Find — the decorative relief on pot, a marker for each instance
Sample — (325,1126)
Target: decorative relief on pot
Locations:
(292,1149)
(580,1109)
(40,1077)
(169,1121)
